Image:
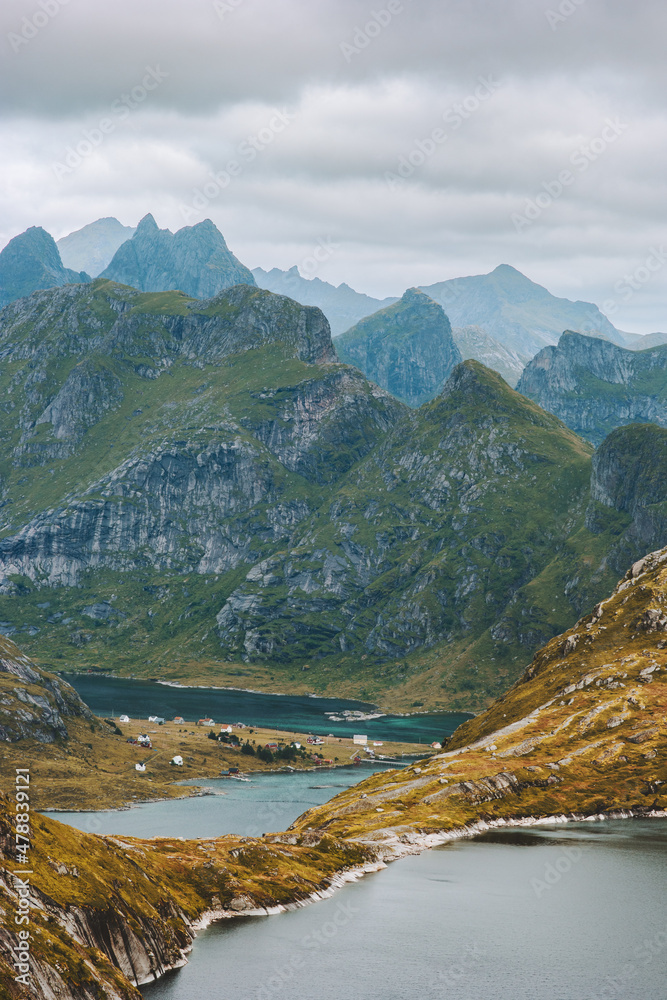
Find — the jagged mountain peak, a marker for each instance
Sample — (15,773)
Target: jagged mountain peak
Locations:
(195,260)
(595,386)
(149,225)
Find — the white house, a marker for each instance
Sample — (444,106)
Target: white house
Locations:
(178,760)
(139,767)
(124,718)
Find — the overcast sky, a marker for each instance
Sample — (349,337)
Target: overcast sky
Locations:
(410,140)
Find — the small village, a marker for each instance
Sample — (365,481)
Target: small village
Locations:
(275,749)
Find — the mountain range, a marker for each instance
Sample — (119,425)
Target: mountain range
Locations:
(595,386)
(200,486)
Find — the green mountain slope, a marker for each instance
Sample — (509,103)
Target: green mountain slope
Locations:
(200,490)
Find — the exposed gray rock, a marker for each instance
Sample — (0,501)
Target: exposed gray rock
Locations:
(594,386)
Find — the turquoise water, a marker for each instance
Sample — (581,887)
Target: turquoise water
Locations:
(570,913)
(115,696)
(266,803)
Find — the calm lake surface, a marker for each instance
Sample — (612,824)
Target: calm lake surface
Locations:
(114,696)
(267,803)
(563,913)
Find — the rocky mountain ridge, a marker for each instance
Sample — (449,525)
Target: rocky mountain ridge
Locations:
(581,735)
(594,386)
(228,497)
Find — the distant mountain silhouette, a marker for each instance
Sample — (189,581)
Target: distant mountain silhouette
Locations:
(195,260)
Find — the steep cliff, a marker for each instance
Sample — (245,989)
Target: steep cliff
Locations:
(407,348)
(200,487)
(195,260)
(34,705)
(31,261)
(595,386)
(629,490)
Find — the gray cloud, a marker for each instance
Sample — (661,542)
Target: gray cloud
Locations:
(361,103)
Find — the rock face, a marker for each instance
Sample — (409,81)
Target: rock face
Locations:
(30,262)
(476,344)
(186,480)
(629,484)
(595,386)
(580,734)
(92,248)
(33,704)
(407,348)
(516,311)
(195,260)
(341,305)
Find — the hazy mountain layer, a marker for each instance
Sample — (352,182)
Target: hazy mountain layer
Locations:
(476,344)
(195,260)
(516,311)
(595,386)
(91,248)
(341,305)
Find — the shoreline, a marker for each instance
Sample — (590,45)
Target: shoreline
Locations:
(272,694)
(417,846)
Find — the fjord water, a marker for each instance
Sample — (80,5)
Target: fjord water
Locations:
(294,713)
(563,913)
(266,803)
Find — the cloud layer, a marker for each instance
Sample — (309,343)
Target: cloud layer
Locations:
(425,139)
